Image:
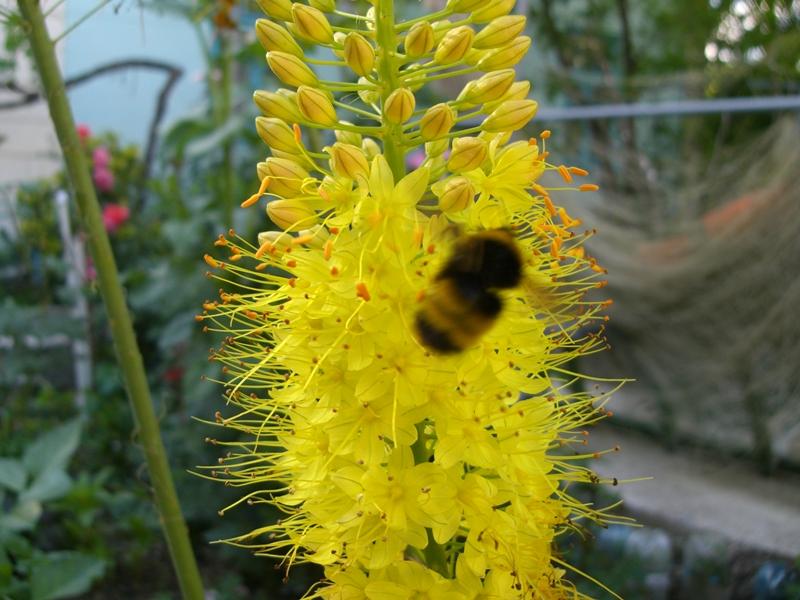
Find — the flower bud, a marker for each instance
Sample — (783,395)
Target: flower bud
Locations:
(276,239)
(278,106)
(463,6)
(507,56)
(499,32)
(370,148)
(492,10)
(368,92)
(327,6)
(316,106)
(280,10)
(519,90)
(291,70)
(491,86)
(457,195)
(399,106)
(419,39)
(311,23)
(454,45)
(286,176)
(291,213)
(347,137)
(275,37)
(348,161)
(436,148)
(437,121)
(511,115)
(277,134)
(358,53)
(468,154)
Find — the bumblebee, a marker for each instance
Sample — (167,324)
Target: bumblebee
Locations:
(463,303)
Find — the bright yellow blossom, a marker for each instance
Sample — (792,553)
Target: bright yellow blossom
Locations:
(405,473)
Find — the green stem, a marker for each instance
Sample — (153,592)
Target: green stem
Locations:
(128,355)
(387,68)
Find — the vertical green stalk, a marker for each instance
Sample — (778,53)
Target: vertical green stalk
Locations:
(128,355)
(387,69)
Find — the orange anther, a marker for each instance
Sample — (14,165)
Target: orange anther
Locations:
(431,248)
(362,291)
(235,257)
(292,282)
(302,239)
(211,262)
(549,206)
(291,263)
(328,250)
(578,171)
(260,266)
(588,187)
(334,271)
(251,314)
(545,134)
(565,174)
(263,249)
(323,193)
(598,269)
(298,135)
(333,230)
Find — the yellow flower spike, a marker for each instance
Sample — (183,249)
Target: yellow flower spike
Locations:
(311,23)
(419,40)
(457,195)
(437,121)
(492,10)
(316,106)
(291,214)
(358,53)
(279,106)
(454,45)
(280,10)
(286,177)
(291,70)
(377,411)
(349,161)
(507,56)
(468,154)
(274,37)
(277,135)
(489,87)
(499,32)
(511,115)
(399,106)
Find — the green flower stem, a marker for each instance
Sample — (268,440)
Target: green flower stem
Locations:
(128,355)
(430,17)
(387,68)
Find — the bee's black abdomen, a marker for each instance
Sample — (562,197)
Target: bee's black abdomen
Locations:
(502,265)
(434,338)
(471,291)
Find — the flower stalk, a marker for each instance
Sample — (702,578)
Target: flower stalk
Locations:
(127,350)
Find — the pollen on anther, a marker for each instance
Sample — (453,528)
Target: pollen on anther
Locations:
(588,187)
(362,291)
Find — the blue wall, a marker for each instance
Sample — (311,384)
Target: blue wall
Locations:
(124,101)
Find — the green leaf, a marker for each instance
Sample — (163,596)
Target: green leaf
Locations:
(22,517)
(12,474)
(64,574)
(53,483)
(53,449)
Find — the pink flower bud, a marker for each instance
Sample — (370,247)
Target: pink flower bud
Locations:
(103,179)
(101,157)
(83,132)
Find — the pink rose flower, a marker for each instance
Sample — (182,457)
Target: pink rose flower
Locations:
(101,157)
(114,216)
(103,179)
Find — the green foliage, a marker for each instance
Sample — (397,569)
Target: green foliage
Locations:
(32,484)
